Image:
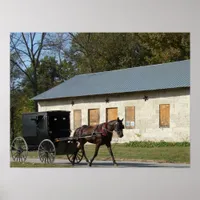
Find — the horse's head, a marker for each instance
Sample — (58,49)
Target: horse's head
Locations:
(118,127)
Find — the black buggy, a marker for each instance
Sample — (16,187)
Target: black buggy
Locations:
(49,134)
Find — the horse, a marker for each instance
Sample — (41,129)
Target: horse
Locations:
(100,134)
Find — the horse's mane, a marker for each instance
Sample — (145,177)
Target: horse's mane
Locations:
(100,125)
(112,121)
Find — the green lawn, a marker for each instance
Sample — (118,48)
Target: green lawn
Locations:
(122,152)
(161,154)
(33,165)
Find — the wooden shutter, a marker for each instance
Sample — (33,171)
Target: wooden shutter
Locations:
(111,114)
(164,115)
(77,119)
(93,117)
(130,117)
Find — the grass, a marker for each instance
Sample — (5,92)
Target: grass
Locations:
(159,153)
(33,165)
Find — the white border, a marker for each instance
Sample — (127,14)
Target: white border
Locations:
(103,16)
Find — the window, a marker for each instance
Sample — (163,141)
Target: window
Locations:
(164,115)
(93,117)
(77,119)
(111,114)
(41,122)
(130,117)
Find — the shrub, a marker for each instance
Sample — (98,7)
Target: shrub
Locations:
(151,144)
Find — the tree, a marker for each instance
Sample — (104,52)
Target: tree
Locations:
(50,73)
(28,48)
(165,47)
(95,52)
(18,99)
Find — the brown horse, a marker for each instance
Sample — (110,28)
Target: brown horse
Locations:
(100,135)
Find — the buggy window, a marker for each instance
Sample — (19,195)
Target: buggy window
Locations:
(41,122)
(58,122)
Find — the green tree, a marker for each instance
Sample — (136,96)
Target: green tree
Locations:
(165,47)
(94,52)
(49,74)
(19,101)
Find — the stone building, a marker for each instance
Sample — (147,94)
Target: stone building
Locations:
(153,100)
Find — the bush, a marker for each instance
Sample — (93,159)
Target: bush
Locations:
(151,144)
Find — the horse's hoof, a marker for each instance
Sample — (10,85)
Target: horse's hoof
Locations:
(115,164)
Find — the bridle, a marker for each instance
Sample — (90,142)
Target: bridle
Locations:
(105,127)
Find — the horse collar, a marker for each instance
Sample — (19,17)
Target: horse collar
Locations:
(104,133)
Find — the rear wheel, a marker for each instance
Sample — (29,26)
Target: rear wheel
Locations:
(78,158)
(19,149)
(47,151)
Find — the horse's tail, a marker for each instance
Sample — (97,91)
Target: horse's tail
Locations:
(76,132)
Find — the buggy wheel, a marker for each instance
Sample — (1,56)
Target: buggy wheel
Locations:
(19,149)
(47,151)
(78,158)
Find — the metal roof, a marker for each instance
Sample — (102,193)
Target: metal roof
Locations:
(135,79)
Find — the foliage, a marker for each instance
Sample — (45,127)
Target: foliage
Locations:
(150,144)
(165,47)
(94,52)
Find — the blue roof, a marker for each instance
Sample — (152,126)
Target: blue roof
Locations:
(135,79)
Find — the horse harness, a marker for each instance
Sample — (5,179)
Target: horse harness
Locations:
(101,129)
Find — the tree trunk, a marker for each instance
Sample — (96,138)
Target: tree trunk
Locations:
(12,128)
(35,94)
(35,86)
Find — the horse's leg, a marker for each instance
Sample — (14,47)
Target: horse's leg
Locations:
(75,154)
(111,153)
(83,151)
(95,154)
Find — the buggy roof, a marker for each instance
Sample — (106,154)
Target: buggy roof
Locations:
(49,112)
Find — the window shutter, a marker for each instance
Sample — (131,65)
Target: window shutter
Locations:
(77,119)
(164,115)
(111,114)
(93,117)
(130,117)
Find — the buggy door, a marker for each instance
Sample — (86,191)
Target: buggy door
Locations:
(42,130)
(34,128)
(59,125)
